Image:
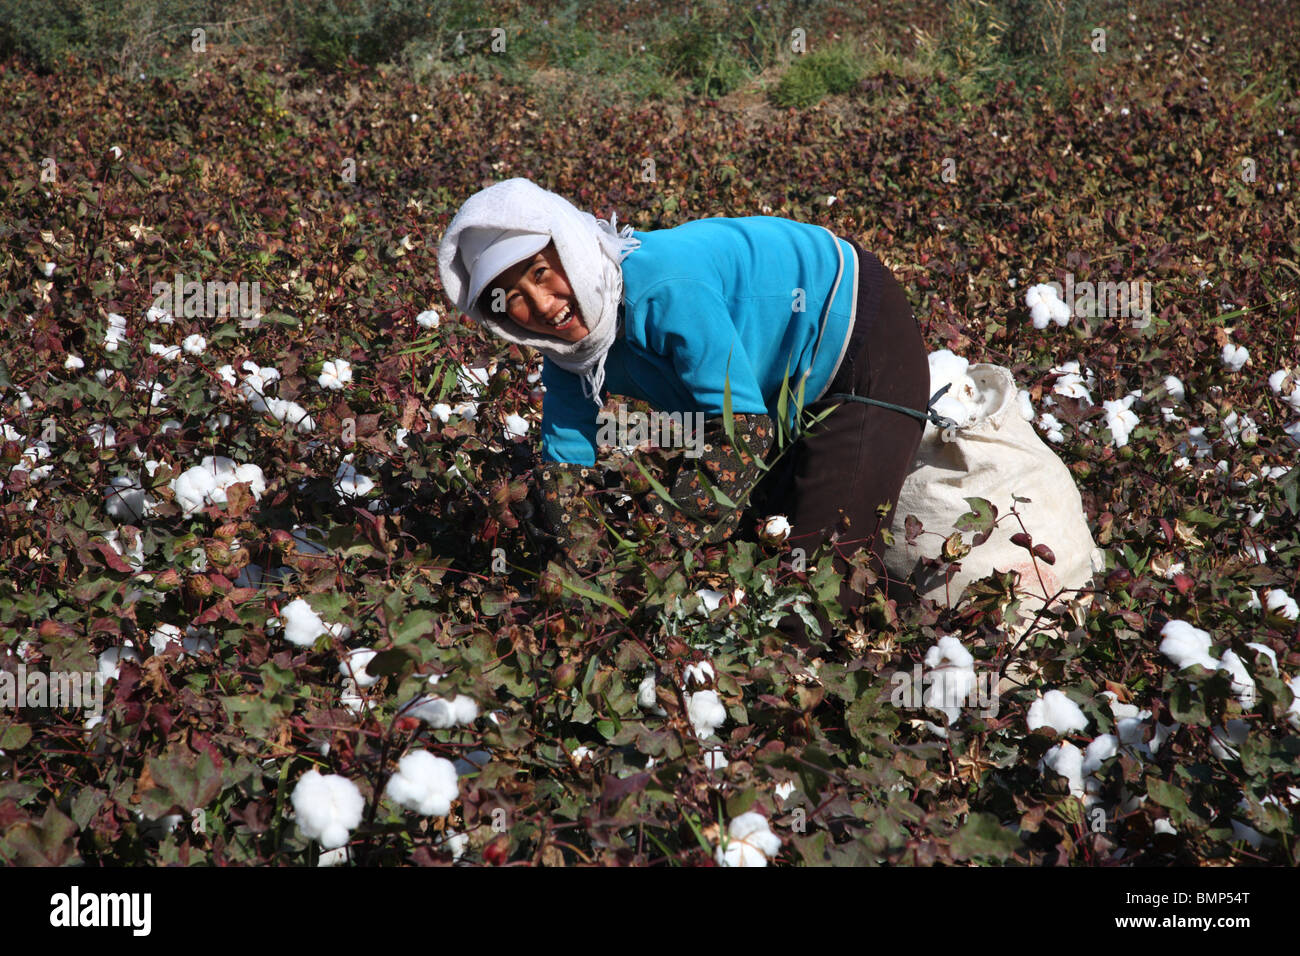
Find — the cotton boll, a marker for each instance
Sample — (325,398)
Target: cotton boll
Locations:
(1240,430)
(1161,733)
(1186,645)
(1243,685)
(715,759)
(1293,712)
(1067,760)
(1235,357)
(170,353)
(1099,751)
(335,857)
(101,436)
(473,380)
(164,635)
(705,712)
(1057,711)
(952,677)
(125,500)
(1120,420)
(301,624)
(348,483)
(1279,602)
(429,319)
(424,783)
(645,697)
(1225,740)
(197,641)
(1040,314)
(1285,384)
(334,375)
(355,667)
(466,410)
(1025,404)
(109,664)
(516,426)
(291,413)
(440,714)
(750,842)
(783,790)
(327,808)
(699,673)
(194,344)
(1052,428)
(441,411)
(72,363)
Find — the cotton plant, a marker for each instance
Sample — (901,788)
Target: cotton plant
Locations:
(327,808)
(749,842)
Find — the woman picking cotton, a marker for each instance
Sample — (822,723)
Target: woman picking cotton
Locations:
(672,316)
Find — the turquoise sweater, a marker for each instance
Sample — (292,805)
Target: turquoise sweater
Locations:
(753,288)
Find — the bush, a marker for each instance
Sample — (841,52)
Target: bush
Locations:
(834,69)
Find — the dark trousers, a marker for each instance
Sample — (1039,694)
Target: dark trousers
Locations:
(841,470)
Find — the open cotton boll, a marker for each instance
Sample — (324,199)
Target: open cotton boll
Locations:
(1128,719)
(474,380)
(1186,645)
(646,699)
(335,374)
(1067,760)
(466,410)
(327,808)
(1057,711)
(750,842)
(429,319)
(1174,388)
(516,426)
(354,666)
(72,363)
(1099,751)
(705,712)
(163,635)
(952,675)
(290,413)
(441,411)
(1235,357)
(1225,739)
(170,353)
(699,673)
(424,783)
(109,664)
(1025,404)
(115,332)
(125,500)
(1266,651)
(194,344)
(440,713)
(1279,602)
(1243,685)
(1240,430)
(1120,419)
(302,625)
(348,483)
(1053,430)
(964,403)
(1293,712)
(1285,384)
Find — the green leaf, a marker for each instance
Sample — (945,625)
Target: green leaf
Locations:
(411,627)
(982,836)
(728,423)
(660,490)
(979,519)
(15,737)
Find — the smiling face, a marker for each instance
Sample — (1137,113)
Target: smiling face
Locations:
(535,294)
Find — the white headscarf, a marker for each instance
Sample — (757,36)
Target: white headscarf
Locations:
(590,250)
